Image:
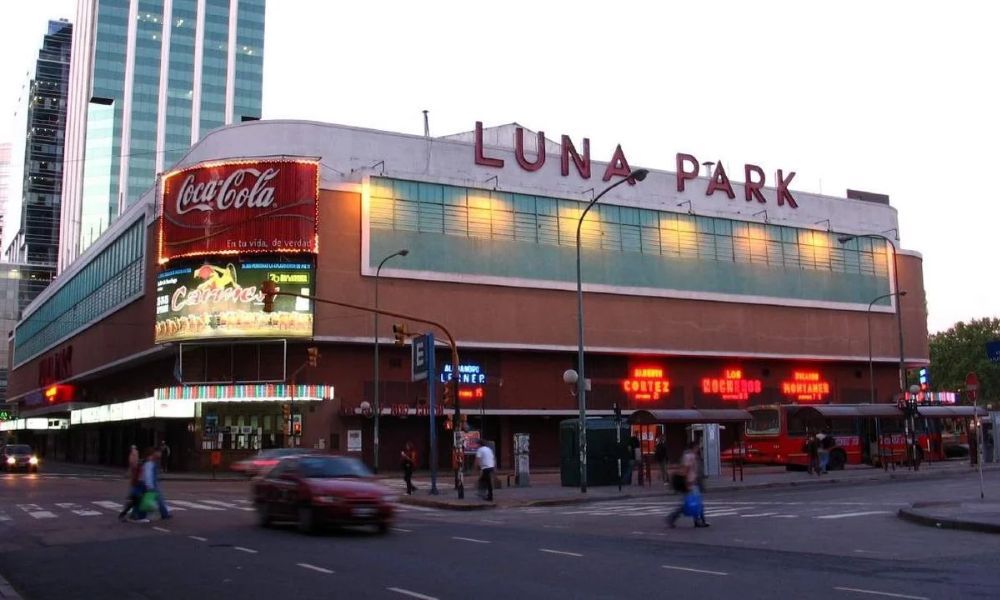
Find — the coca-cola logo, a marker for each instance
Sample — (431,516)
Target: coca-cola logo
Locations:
(242,188)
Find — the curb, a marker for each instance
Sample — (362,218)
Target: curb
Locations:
(903,476)
(7,592)
(921,518)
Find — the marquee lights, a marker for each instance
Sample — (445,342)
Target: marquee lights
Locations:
(731,386)
(646,383)
(807,386)
(474,393)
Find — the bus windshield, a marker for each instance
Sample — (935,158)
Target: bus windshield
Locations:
(764,421)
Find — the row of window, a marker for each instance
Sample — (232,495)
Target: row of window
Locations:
(110,279)
(432,208)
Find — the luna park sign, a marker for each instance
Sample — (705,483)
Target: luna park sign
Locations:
(687,168)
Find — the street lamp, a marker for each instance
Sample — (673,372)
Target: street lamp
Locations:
(895,286)
(581,382)
(871,365)
(378,407)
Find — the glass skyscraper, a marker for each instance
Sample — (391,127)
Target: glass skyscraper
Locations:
(150,79)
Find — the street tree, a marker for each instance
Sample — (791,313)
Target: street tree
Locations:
(961,350)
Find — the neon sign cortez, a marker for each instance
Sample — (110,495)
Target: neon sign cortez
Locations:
(239,207)
(646,383)
(754,178)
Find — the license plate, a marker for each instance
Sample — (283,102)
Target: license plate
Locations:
(363,512)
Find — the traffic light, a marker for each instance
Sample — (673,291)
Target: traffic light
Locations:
(400,333)
(269,289)
(313,354)
(286,411)
(446,394)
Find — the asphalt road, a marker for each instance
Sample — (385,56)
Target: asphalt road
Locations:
(59,539)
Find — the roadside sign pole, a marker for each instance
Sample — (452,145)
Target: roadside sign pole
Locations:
(431,401)
(972,385)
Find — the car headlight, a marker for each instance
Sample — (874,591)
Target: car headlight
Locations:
(33,460)
(10,460)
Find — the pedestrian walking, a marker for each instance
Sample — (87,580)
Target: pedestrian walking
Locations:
(812,454)
(826,443)
(164,455)
(408,460)
(486,462)
(692,504)
(135,488)
(151,485)
(660,454)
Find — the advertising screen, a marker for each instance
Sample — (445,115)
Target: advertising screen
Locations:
(221,298)
(239,207)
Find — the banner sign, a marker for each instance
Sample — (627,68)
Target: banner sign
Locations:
(221,299)
(239,207)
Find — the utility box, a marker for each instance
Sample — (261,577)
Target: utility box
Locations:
(991,437)
(711,446)
(603,451)
(522,446)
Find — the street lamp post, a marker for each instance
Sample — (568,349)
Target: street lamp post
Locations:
(378,406)
(581,382)
(871,364)
(895,285)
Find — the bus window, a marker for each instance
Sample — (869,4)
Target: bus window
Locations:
(844,426)
(764,421)
(799,426)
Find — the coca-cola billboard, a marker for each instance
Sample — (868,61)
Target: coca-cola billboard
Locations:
(239,207)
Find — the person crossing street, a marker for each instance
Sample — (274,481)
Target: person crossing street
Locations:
(486,462)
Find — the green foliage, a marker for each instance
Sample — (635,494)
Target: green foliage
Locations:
(962,350)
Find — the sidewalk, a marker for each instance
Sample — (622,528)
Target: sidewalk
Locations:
(980,515)
(546,490)
(58,467)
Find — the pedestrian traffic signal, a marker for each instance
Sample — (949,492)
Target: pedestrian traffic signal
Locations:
(269,289)
(313,353)
(400,333)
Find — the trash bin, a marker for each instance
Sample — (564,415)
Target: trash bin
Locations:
(602,451)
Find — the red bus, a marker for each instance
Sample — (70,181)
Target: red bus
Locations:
(864,433)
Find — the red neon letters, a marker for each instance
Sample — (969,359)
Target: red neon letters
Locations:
(807,386)
(646,383)
(731,386)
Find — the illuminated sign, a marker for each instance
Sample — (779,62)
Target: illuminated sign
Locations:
(466,374)
(646,383)
(239,207)
(688,168)
(806,385)
(731,386)
(57,394)
(221,299)
(471,393)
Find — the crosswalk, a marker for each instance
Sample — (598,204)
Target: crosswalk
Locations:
(9,514)
(721,509)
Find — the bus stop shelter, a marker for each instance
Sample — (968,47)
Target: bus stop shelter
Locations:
(690,421)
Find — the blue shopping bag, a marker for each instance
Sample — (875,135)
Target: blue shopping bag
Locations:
(692,504)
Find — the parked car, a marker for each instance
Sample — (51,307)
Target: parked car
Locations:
(19,457)
(322,489)
(265,460)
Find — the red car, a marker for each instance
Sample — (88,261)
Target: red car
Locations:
(317,490)
(265,460)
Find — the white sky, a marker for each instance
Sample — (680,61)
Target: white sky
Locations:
(899,98)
